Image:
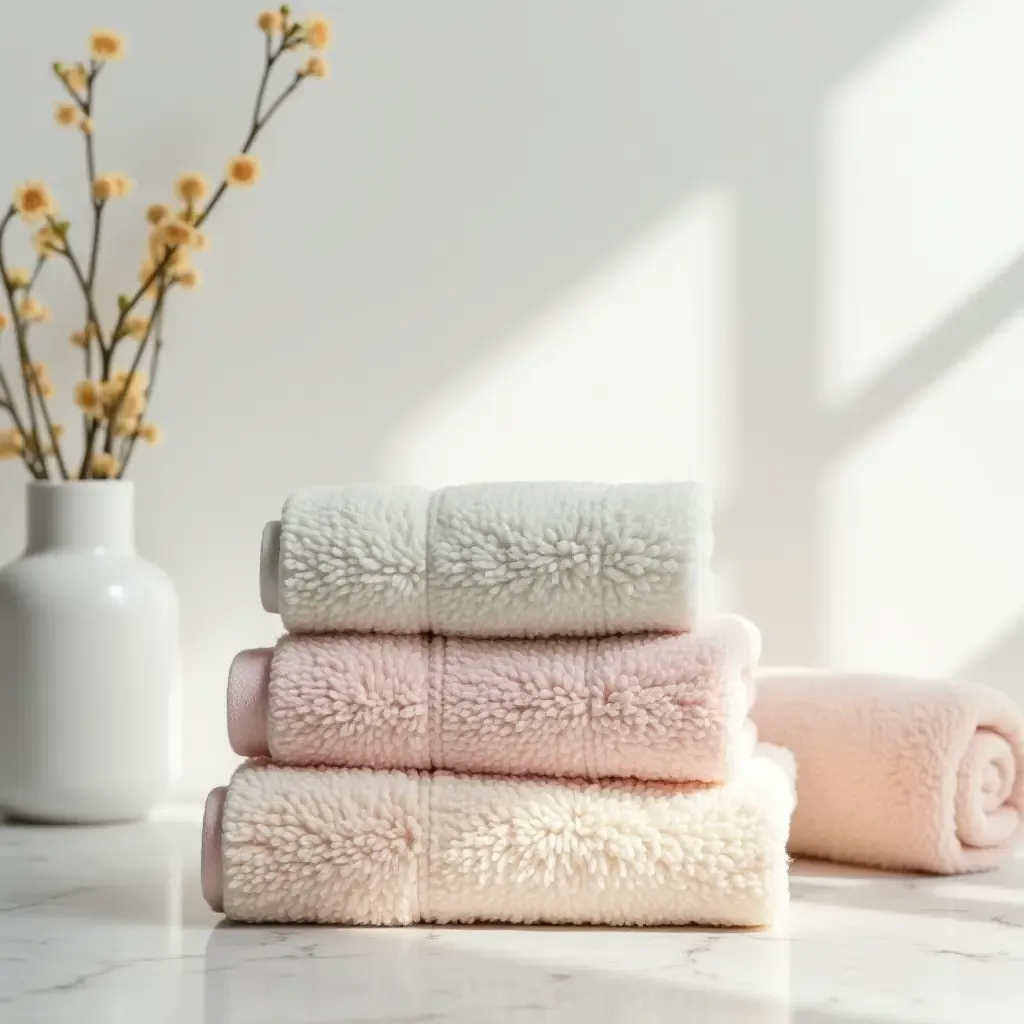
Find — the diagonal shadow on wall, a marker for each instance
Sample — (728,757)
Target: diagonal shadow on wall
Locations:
(784,543)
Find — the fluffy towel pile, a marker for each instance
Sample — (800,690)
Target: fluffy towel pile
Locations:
(528,637)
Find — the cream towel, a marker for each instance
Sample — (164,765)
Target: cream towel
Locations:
(354,846)
(490,560)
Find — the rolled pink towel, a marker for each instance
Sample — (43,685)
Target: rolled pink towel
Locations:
(898,773)
(354,846)
(669,707)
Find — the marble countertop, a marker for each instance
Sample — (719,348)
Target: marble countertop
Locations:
(108,925)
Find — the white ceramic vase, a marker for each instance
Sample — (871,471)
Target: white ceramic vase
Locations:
(88,662)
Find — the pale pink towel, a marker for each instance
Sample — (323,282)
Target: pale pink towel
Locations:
(658,706)
(351,846)
(898,773)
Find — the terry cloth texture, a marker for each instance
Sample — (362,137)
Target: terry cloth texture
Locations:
(898,773)
(491,560)
(649,706)
(354,846)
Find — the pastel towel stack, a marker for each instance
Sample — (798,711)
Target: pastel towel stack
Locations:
(523,636)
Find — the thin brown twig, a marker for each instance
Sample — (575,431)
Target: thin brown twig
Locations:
(269,59)
(97,204)
(8,404)
(32,438)
(37,386)
(40,262)
(154,366)
(76,268)
(259,121)
(97,217)
(107,352)
(71,92)
(295,82)
(33,387)
(87,281)
(257,126)
(115,411)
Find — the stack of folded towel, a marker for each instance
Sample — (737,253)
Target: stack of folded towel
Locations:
(497,702)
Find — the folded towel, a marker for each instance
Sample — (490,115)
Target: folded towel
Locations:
(650,706)
(489,560)
(353,846)
(898,773)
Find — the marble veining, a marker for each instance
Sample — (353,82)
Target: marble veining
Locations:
(108,924)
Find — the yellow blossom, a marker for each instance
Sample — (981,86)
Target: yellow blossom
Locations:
(163,255)
(66,114)
(133,403)
(157,212)
(59,430)
(38,376)
(200,241)
(269,21)
(315,67)
(110,391)
(30,309)
(12,443)
(104,465)
(172,257)
(317,32)
(151,433)
(111,186)
(176,232)
(122,185)
(18,277)
(4,322)
(87,125)
(81,339)
(76,78)
(46,241)
(105,187)
(136,327)
(33,200)
(243,170)
(125,425)
(120,377)
(190,188)
(188,278)
(106,45)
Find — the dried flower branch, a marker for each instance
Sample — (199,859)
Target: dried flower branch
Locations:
(114,402)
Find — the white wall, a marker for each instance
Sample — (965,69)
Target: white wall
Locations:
(776,246)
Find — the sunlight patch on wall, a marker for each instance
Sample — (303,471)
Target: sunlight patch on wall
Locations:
(622,378)
(924,543)
(925,164)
